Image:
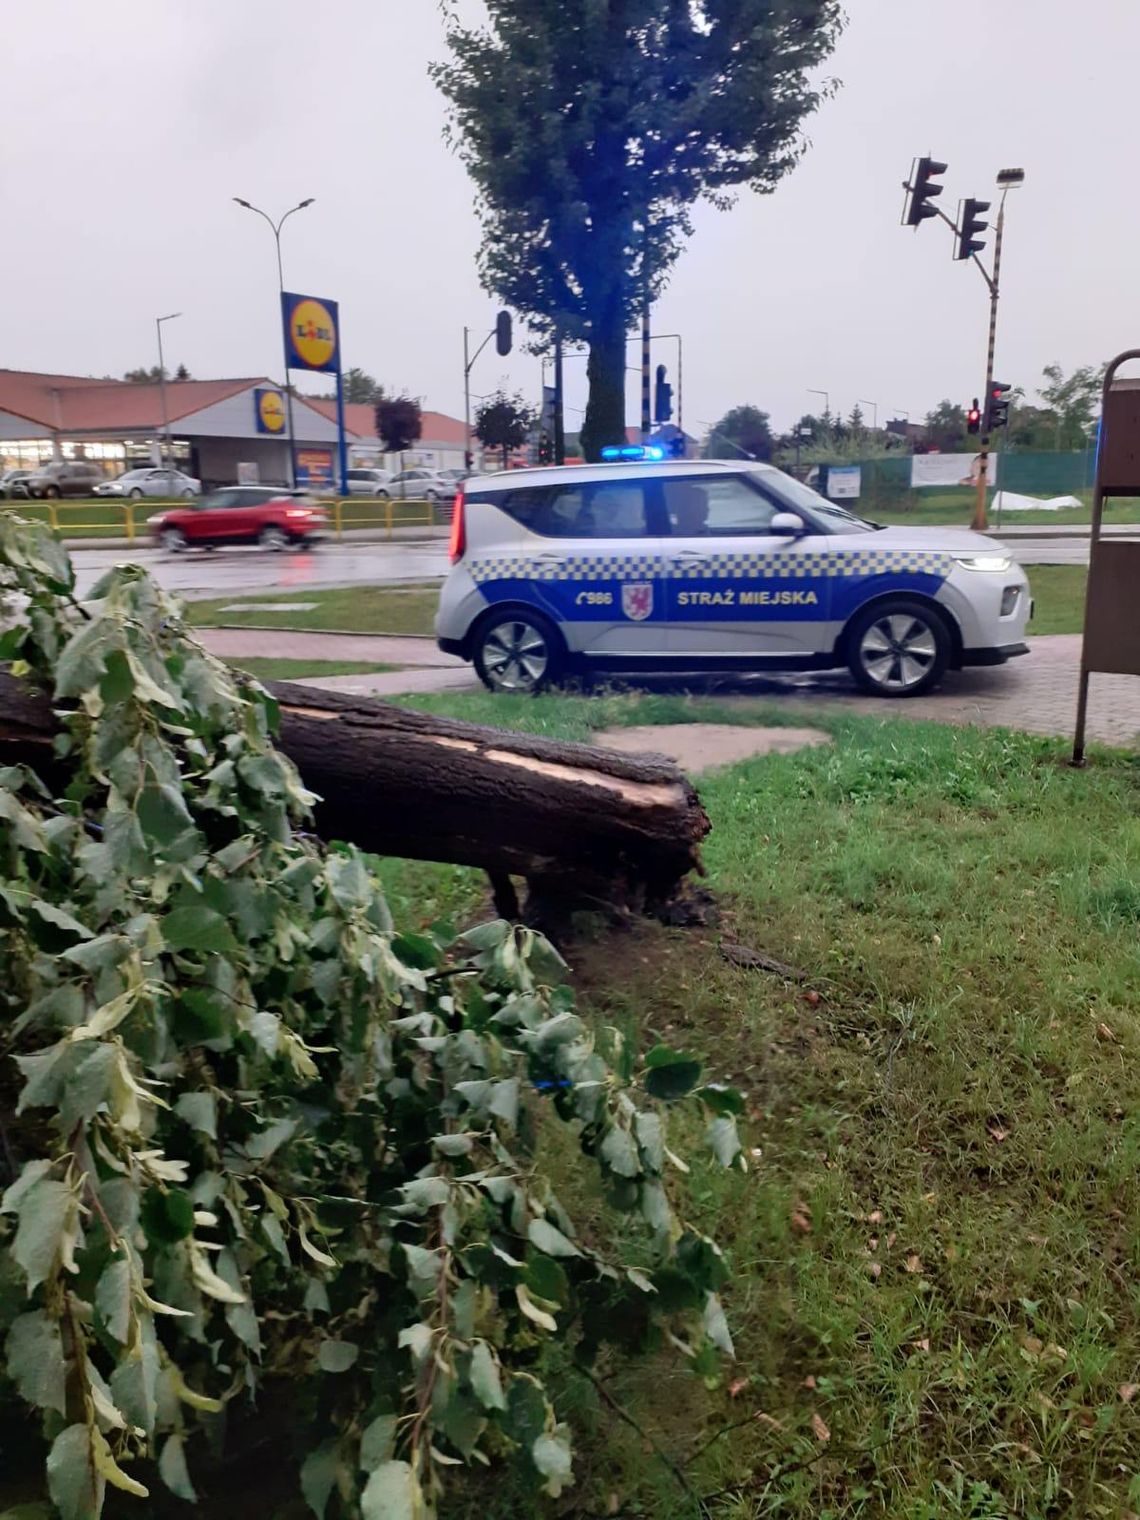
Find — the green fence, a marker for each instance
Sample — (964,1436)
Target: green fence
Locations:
(885,485)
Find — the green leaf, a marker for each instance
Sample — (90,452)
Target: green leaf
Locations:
(542,1234)
(485,1380)
(134,1382)
(716,1326)
(417,950)
(318,1476)
(525,1417)
(670,1074)
(650,1134)
(162,812)
(546,1279)
(337,1356)
(47,1221)
(392,1493)
(35,1361)
(724,1140)
(113,1300)
(620,1154)
(197,928)
(504,1103)
(33,1172)
(378,1442)
(74,1483)
(721,1100)
(200,1111)
(551,1455)
(167,1215)
(173,1471)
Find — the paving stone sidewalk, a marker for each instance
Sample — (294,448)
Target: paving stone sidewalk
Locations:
(1037,692)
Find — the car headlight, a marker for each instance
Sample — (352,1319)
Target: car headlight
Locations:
(994,563)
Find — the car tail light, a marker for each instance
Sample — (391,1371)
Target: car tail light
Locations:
(458,546)
(298,512)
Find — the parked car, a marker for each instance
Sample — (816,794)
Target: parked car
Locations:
(713,566)
(150,482)
(421,485)
(14,483)
(67,477)
(370,482)
(455,476)
(270,516)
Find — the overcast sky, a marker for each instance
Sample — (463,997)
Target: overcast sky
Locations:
(130,124)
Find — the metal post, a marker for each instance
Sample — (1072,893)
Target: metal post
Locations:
(158,321)
(646,413)
(559,421)
(341,438)
(680,386)
(468,461)
(980,522)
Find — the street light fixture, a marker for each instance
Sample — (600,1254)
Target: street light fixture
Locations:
(276,227)
(158,321)
(811,390)
(874,405)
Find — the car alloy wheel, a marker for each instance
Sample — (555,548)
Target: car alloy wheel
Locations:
(188,496)
(899,649)
(135,494)
(173,540)
(273,539)
(516,653)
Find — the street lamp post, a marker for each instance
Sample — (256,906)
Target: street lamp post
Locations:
(158,321)
(276,227)
(874,405)
(812,391)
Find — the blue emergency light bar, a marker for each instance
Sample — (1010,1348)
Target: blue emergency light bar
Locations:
(614,451)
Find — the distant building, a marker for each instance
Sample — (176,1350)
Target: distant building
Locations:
(215,426)
(440,447)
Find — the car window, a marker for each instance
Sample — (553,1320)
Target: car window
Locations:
(716,507)
(595,509)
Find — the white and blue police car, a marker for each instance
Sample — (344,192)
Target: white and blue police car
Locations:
(691,566)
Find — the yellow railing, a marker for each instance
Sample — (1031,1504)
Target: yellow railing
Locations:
(108,516)
(376,512)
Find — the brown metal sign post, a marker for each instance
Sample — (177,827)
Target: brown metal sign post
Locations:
(1112,604)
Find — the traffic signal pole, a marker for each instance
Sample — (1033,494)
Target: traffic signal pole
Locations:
(981,519)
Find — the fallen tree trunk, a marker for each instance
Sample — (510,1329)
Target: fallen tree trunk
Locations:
(572,819)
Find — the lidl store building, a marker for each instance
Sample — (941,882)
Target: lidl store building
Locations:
(220,431)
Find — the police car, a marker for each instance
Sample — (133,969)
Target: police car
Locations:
(644,565)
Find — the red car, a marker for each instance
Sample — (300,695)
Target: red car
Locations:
(266,515)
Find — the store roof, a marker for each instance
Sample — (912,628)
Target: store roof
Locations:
(77,403)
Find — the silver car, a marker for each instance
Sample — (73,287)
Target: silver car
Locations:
(172,485)
(421,485)
(710,566)
(370,481)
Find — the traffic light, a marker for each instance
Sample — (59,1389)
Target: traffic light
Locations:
(662,397)
(974,418)
(676,446)
(503,334)
(970,225)
(997,408)
(545,449)
(923,191)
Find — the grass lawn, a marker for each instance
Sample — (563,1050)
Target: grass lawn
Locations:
(935,1253)
(269,669)
(1058,593)
(358,609)
(955,509)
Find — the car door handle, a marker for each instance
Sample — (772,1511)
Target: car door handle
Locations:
(696,555)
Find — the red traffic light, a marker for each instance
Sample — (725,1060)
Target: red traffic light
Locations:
(974,417)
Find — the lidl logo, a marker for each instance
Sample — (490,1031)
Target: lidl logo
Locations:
(311,332)
(270,412)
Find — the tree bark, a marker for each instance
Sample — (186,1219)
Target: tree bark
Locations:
(604,422)
(574,820)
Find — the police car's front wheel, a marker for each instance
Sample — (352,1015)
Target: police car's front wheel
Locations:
(898,648)
(518,652)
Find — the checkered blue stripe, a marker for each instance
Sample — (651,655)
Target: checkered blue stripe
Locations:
(834,564)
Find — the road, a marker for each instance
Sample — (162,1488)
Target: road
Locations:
(249,572)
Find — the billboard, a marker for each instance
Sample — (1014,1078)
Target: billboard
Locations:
(944,470)
(314,467)
(312,333)
(269,411)
(844,482)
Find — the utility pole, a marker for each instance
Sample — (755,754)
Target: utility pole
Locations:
(646,415)
(169,461)
(559,423)
(275,228)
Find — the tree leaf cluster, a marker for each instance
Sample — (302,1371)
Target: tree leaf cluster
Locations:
(255,1137)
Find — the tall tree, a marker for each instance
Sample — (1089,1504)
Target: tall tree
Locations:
(946,429)
(144,376)
(503,422)
(360,386)
(399,421)
(590,127)
(1074,401)
(743,430)
(182,373)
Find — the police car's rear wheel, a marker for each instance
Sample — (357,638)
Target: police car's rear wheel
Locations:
(898,649)
(517,652)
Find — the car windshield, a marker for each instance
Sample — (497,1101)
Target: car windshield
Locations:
(798,496)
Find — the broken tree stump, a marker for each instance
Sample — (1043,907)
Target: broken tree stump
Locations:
(574,820)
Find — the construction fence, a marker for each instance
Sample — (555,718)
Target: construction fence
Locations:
(885,483)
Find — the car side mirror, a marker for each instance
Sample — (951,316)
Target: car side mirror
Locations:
(787,525)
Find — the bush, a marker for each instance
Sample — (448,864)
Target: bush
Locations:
(256,1133)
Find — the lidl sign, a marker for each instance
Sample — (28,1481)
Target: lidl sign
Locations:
(269,411)
(312,335)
